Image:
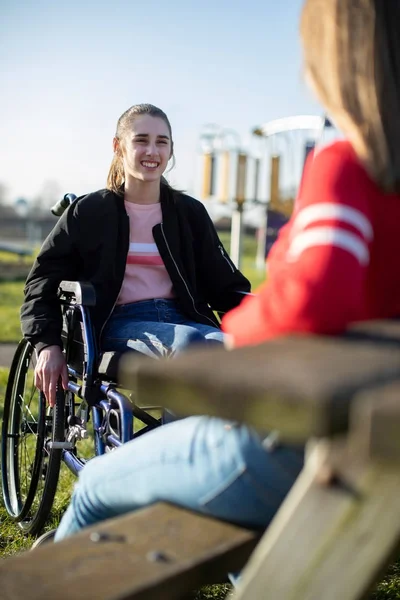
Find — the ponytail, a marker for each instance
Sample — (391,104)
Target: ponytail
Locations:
(116,176)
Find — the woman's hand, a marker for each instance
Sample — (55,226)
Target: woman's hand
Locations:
(50,367)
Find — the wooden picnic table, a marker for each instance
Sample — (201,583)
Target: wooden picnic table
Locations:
(339,526)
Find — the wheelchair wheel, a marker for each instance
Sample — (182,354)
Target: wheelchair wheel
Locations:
(30,466)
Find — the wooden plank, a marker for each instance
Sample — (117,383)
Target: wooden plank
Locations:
(158,553)
(328,541)
(382,331)
(375,423)
(301,386)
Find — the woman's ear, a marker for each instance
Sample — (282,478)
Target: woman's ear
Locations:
(116,145)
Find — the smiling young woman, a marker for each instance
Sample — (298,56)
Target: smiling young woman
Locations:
(151,253)
(142,149)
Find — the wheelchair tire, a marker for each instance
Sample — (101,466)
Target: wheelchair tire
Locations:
(30,469)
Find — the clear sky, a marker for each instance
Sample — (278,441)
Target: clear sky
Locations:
(69,69)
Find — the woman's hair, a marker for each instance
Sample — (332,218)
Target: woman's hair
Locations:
(352,54)
(116,177)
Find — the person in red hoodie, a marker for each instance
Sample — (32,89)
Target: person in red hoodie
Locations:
(333,264)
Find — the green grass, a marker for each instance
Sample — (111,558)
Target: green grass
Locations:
(10,257)
(248,260)
(11,296)
(11,538)
(3,383)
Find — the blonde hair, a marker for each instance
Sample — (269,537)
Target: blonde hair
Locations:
(116,175)
(352,55)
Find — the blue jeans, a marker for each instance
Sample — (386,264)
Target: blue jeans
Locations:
(156,328)
(205,464)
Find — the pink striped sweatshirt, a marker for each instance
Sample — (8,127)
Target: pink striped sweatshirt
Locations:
(145,274)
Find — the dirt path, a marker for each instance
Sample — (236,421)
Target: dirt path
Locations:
(6,354)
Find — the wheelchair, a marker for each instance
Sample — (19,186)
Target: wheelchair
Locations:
(36,439)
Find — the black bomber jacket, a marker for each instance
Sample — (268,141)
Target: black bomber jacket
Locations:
(90,242)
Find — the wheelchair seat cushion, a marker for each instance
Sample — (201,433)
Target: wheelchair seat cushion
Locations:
(108,365)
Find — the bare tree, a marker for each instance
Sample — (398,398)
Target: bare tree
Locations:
(48,195)
(3,193)
(6,209)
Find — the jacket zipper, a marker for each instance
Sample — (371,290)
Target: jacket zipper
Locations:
(109,315)
(230,263)
(181,276)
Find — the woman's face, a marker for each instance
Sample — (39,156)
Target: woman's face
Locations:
(146,148)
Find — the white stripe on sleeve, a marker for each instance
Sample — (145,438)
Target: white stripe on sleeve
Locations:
(329,236)
(339,212)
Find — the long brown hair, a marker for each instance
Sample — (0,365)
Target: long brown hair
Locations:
(116,175)
(352,54)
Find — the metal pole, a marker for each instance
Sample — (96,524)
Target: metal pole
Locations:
(262,229)
(237,214)
(257,163)
(237,235)
(261,243)
(275,200)
(208,175)
(224,195)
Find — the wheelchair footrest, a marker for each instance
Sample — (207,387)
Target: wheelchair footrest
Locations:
(60,445)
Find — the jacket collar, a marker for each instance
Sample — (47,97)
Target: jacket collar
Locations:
(166,198)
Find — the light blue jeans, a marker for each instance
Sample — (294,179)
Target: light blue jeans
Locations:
(205,464)
(156,328)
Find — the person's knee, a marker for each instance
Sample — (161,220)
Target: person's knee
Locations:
(89,477)
(187,337)
(86,498)
(215,337)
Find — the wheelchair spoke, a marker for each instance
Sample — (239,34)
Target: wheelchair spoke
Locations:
(30,412)
(25,470)
(27,445)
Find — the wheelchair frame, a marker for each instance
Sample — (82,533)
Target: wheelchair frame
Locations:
(36,439)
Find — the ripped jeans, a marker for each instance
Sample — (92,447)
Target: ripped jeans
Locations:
(156,328)
(209,465)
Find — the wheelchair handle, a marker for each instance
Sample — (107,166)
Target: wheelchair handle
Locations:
(60,206)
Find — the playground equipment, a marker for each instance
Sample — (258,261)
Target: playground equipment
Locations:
(227,165)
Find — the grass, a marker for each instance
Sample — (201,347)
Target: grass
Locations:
(11,257)
(13,541)
(11,295)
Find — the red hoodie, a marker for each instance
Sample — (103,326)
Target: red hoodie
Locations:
(335,262)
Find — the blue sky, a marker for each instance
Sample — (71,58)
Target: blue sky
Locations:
(69,69)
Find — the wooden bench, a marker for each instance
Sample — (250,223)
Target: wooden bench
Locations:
(338,528)
(161,552)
